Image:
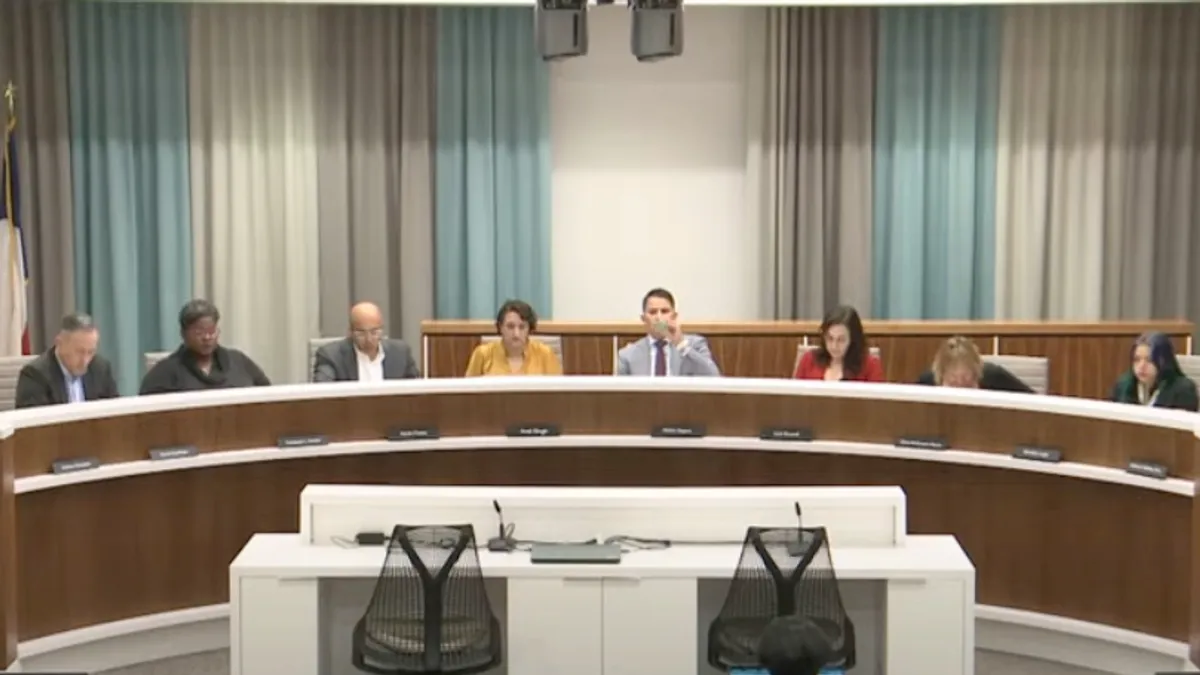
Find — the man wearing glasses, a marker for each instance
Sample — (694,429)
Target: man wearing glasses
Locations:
(365,355)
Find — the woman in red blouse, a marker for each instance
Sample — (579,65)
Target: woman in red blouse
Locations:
(843,354)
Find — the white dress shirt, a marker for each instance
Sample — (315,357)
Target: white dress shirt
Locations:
(370,370)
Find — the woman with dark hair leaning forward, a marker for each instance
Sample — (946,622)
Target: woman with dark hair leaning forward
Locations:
(515,353)
(843,353)
(1154,378)
(201,362)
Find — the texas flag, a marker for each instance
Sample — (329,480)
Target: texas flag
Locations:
(14,274)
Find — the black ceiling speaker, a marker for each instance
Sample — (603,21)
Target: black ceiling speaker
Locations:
(561,29)
(657,31)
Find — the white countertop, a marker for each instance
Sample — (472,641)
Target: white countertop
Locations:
(921,557)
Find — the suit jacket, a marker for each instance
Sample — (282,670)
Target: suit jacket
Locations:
(337,362)
(1175,391)
(41,382)
(695,361)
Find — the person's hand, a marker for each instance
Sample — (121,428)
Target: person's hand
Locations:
(674,331)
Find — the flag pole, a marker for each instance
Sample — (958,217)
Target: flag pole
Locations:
(10,103)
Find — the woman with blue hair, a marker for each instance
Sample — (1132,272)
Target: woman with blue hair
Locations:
(1154,378)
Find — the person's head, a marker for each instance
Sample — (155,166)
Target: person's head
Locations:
(658,309)
(199,327)
(514,322)
(958,364)
(76,343)
(366,327)
(1152,358)
(842,339)
(794,645)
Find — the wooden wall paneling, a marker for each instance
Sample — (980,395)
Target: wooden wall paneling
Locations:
(8,554)
(1085,357)
(448,354)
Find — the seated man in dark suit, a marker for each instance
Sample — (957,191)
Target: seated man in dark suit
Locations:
(70,371)
(794,645)
(365,355)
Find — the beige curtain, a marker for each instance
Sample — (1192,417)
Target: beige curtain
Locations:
(1097,176)
(33,56)
(375,165)
(810,157)
(253,89)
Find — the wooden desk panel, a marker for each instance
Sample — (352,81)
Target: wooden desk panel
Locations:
(107,550)
(1085,358)
(116,549)
(984,429)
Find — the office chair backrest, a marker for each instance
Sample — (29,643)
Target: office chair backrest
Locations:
(430,611)
(152,358)
(1190,365)
(1034,371)
(10,370)
(554,342)
(782,572)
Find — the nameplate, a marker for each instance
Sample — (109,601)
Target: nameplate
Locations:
(1038,454)
(303,441)
(922,442)
(175,452)
(74,464)
(678,431)
(786,434)
(1141,467)
(533,430)
(419,434)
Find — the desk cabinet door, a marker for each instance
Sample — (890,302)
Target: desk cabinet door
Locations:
(650,626)
(555,626)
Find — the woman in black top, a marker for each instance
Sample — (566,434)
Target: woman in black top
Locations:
(201,362)
(958,364)
(1154,378)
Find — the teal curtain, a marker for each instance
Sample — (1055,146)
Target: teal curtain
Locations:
(129,168)
(492,232)
(937,99)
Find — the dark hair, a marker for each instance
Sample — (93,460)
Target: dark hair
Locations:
(660,293)
(794,645)
(1162,354)
(196,310)
(521,309)
(76,322)
(856,351)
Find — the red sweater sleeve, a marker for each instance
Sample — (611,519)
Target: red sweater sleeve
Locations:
(872,370)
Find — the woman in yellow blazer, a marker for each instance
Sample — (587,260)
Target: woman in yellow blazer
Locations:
(514,353)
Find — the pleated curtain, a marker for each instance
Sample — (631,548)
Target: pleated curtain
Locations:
(254,177)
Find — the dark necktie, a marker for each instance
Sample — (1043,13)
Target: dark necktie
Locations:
(660,358)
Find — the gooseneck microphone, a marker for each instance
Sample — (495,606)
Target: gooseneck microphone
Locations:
(796,547)
(503,542)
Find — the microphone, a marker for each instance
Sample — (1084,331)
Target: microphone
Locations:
(796,547)
(502,543)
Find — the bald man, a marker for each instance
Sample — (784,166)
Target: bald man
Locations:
(365,355)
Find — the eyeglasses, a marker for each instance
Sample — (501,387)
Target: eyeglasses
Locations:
(203,334)
(368,332)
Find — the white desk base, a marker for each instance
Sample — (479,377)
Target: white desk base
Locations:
(292,607)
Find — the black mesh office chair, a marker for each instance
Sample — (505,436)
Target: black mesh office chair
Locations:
(430,612)
(782,572)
